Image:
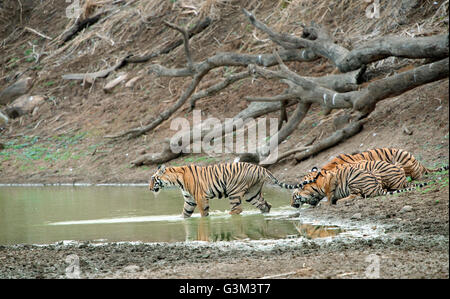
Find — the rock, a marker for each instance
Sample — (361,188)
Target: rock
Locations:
(406,130)
(23,105)
(406,209)
(3,119)
(131,268)
(356,216)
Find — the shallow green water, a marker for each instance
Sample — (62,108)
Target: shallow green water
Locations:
(39,215)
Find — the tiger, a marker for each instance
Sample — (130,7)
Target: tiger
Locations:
(234,181)
(344,183)
(392,176)
(400,157)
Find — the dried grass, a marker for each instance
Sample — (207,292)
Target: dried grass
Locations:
(348,22)
(136,26)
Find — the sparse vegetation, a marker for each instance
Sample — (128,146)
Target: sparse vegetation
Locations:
(63,140)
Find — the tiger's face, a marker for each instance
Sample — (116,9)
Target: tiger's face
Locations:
(311,191)
(307,195)
(156,182)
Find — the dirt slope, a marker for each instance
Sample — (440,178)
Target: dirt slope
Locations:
(64,140)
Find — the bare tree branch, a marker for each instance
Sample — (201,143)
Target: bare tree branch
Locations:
(217,87)
(337,137)
(254,110)
(297,117)
(317,40)
(199,70)
(277,98)
(199,27)
(332,92)
(363,100)
(186,42)
(165,114)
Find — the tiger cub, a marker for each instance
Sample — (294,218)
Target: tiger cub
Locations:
(400,157)
(344,183)
(392,176)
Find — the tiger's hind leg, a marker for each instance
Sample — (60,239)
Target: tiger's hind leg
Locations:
(254,196)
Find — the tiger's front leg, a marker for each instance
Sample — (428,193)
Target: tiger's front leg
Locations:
(235,202)
(348,198)
(189,205)
(204,207)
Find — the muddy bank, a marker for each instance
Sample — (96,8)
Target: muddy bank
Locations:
(408,243)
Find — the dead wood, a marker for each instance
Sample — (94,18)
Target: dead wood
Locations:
(217,87)
(363,100)
(79,25)
(297,117)
(156,158)
(113,83)
(291,152)
(337,137)
(165,114)
(185,35)
(316,39)
(90,77)
(283,114)
(198,71)
(199,27)
(254,110)
(331,92)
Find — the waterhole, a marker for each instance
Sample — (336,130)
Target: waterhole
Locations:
(47,214)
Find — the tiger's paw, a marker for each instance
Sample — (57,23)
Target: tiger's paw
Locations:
(236,211)
(265,208)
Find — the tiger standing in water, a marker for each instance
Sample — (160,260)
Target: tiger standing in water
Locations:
(236,181)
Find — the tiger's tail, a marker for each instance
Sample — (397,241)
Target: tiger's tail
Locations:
(411,187)
(443,168)
(284,185)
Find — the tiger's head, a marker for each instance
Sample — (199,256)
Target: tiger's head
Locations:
(163,177)
(313,189)
(156,182)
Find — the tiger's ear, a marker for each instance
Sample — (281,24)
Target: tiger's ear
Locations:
(314,169)
(162,167)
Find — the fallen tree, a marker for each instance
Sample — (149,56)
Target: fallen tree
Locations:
(344,90)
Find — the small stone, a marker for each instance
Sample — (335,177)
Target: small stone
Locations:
(356,216)
(131,268)
(406,130)
(405,209)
